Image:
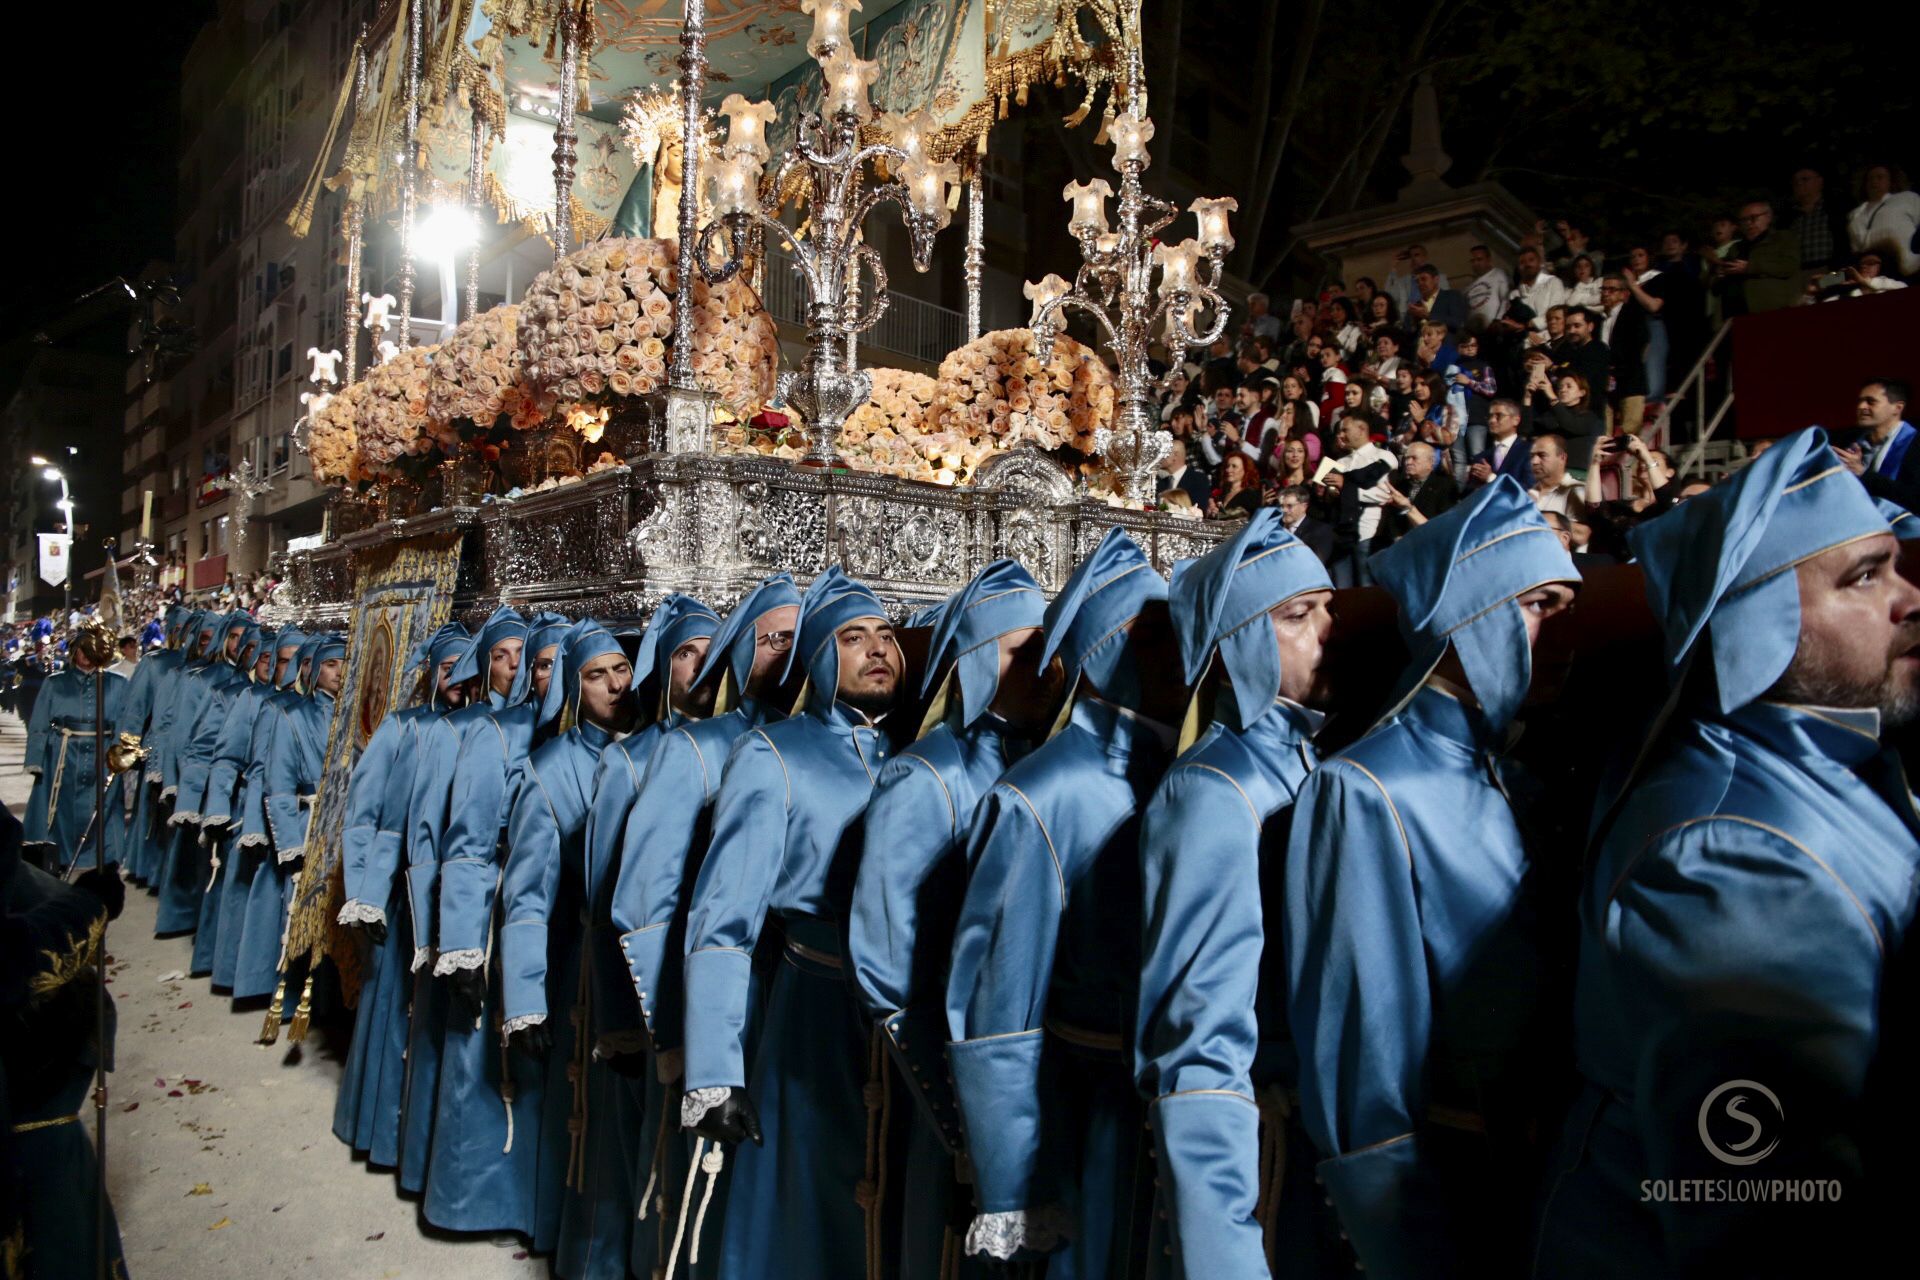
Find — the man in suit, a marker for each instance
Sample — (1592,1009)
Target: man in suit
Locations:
(1442,306)
(1317,534)
(1881,451)
(1176,474)
(1420,491)
(1624,331)
(1506,453)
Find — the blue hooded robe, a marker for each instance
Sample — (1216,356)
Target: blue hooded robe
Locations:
(786,839)
(487,1110)
(199,709)
(1211,1047)
(61,750)
(1041,992)
(913,872)
(366,1114)
(139,853)
(583,1203)
(295,758)
(248,954)
(653,818)
(1411,935)
(231,706)
(1750,889)
(223,800)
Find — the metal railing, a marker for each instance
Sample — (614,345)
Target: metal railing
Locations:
(1693,388)
(910,327)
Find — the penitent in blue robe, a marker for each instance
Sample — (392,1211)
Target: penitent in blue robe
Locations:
(487,1108)
(294,761)
(545,978)
(184,869)
(61,744)
(259,884)
(224,811)
(138,851)
(1212,1049)
(366,1115)
(227,686)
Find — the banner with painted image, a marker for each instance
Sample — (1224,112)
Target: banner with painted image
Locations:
(405,592)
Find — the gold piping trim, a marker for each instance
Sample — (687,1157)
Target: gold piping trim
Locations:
(1391,807)
(1058,871)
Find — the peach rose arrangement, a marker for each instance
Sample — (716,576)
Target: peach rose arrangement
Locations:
(478,375)
(996,387)
(393,418)
(333,442)
(600,322)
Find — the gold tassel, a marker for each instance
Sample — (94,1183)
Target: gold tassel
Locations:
(270,1032)
(302,1015)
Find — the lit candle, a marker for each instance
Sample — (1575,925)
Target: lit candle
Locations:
(1089,206)
(1041,292)
(927,188)
(749,121)
(847,81)
(1130,134)
(146,516)
(910,131)
(1212,217)
(829,24)
(1176,263)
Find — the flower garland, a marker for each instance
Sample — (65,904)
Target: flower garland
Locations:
(478,375)
(333,442)
(393,417)
(995,387)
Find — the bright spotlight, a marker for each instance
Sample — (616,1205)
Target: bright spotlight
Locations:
(445,232)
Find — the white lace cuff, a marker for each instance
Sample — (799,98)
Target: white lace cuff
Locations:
(358,912)
(1001,1235)
(469,958)
(295,854)
(182,817)
(520,1023)
(613,1044)
(695,1103)
(217,820)
(420,957)
(168,793)
(253,840)
(153,775)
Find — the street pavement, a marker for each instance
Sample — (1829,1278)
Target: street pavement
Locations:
(221,1160)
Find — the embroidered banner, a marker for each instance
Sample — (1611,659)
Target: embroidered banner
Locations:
(405,592)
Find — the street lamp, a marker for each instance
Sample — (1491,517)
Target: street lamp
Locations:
(65,504)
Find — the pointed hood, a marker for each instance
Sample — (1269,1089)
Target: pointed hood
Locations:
(580,643)
(831,602)
(965,648)
(505,623)
(1905,524)
(1457,579)
(730,657)
(1718,563)
(305,658)
(545,629)
(178,615)
(676,620)
(289,638)
(1217,599)
(1086,622)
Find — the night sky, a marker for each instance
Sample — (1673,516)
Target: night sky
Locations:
(94,190)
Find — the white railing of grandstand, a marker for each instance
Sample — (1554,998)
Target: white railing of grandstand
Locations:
(1695,385)
(911,327)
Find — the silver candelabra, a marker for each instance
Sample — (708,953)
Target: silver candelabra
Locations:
(1116,285)
(829,157)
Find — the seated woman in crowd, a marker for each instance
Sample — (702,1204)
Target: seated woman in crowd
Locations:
(1236,491)
(1338,322)
(1382,315)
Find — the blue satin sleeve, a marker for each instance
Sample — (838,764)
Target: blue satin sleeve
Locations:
(290,775)
(528,886)
(366,799)
(730,898)
(1361,1011)
(230,759)
(439,749)
(1741,956)
(478,803)
(39,733)
(384,852)
(615,1011)
(202,746)
(997,987)
(185,713)
(138,704)
(1198,1030)
(253,779)
(655,843)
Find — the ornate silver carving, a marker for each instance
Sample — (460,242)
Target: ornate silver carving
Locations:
(693,83)
(976,250)
(409,185)
(564,137)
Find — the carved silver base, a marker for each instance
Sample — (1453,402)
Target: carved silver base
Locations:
(613,544)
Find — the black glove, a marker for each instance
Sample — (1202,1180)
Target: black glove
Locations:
(536,1040)
(732,1120)
(634,1066)
(469,987)
(376,930)
(105,884)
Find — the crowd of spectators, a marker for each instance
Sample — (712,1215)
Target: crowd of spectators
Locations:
(1374,406)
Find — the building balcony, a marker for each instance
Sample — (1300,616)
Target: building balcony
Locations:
(209,572)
